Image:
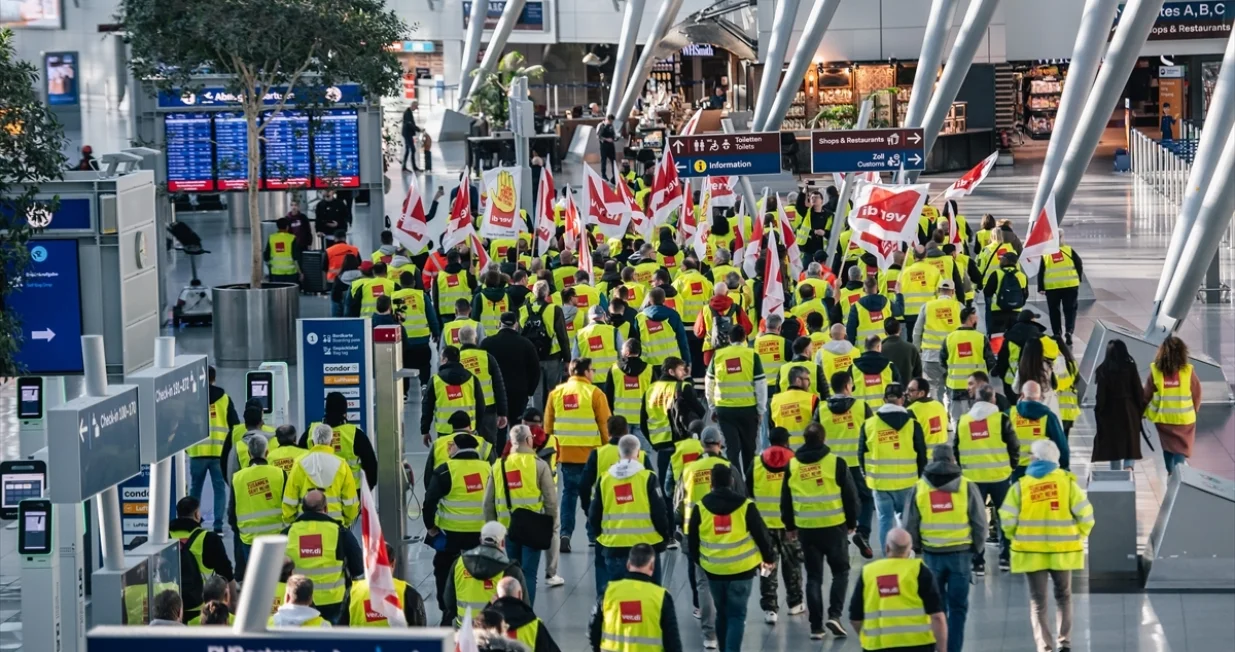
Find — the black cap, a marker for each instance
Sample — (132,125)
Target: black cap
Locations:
(532,414)
(509,319)
(464,441)
(894,391)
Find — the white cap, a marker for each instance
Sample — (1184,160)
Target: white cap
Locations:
(946,284)
(493,532)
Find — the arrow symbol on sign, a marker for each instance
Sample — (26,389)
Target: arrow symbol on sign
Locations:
(45,334)
(914,138)
(679,166)
(677,147)
(202,377)
(81,430)
(915,159)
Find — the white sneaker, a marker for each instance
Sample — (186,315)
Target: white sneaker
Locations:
(769,617)
(556,580)
(673,545)
(797,609)
(695,612)
(710,644)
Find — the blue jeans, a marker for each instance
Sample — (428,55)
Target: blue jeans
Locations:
(996,492)
(889,504)
(612,567)
(1173,460)
(572,495)
(198,468)
(529,561)
(1119,465)
(731,598)
(339,308)
(952,571)
(242,555)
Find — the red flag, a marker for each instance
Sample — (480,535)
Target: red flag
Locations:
(1043,238)
(667,191)
(748,258)
(703,226)
(882,250)
(643,225)
(460,225)
(545,228)
(412,229)
(790,240)
(573,221)
(479,253)
(723,191)
(384,598)
(604,205)
(691,125)
(889,212)
(970,180)
(773,281)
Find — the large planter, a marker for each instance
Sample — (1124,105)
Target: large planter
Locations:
(255,326)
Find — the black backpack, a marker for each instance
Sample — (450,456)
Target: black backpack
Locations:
(1011,294)
(721,325)
(191,584)
(536,332)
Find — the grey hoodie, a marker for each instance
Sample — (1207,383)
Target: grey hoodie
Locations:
(295,615)
(946,477)
(836,347)
(544,481)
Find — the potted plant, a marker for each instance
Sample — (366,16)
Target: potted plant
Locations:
(490,100)
(267,53)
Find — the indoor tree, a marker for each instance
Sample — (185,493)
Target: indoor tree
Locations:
(490,97)
(31,153)
(269,51)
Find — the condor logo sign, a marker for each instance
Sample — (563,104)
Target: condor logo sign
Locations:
(310,546)
(632,612)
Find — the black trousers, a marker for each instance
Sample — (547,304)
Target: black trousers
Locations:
(443,566)
(1062,300)
(608,172)
(907,331)
(420,358)
(740,426)
(999,321)
(830,544)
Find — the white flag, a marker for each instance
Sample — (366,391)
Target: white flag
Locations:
(750,255)
(465,639)
(384,598)
(412,229)
(1043,238)
(501,218)
(970,180)
(703,226)
(545,227)
(889,212)
(773,282)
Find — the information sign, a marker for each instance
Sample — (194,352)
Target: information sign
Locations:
(231,159)
(868,150)
(190,153)
(286,164)
(336,355)
(224,639)
(727,154)
(47,300)
(107,446)
(336,149)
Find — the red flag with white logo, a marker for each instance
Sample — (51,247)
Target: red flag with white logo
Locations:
(603,205)
(479,254)
(638,218)
(412,229)
(723,191)
(460,225)
(970,180)
(789,239)
(545,228)
(889,211)
(465,639)
(691,125)
(773,281)
(747,258)
(378,568)
(882,250)
(688,224)
(1043,238)
(667,191)
(583,248)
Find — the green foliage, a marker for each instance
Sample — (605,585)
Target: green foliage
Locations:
(489,99)
(305,46)
(31,144)
(839,116)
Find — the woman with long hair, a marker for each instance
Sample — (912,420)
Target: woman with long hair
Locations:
(986,232)
(1173,394)
(1036,367)
(1120,402)
(1065,387)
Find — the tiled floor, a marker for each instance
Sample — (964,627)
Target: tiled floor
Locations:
(1118,227)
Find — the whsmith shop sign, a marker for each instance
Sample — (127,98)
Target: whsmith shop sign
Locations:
(1194,19)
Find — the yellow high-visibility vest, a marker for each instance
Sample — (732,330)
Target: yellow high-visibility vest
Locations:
(285,457)
(630,617)
(895,614)
(966,354)
(463,508)
(451,288)
(520,480)
(598,342)
(343,440)
(725,544)
(870,387)
(943,316)
(658,338)
(450,332)
(371,290)
(1060,270)
(918,284)
(945,515)
(835,362)
(628,392)
(697,481)
(282,261)
(815,493)
(410,306)
(792,410)
(685,451)
(933,417)
(242,450)
(477,361)
(734,369)
(1027,432)
(212,446)
(1043,515)
(313,547)
(660,398)
(841,430)
(449,399)
(983,455)
(574,421)
(891,461)
(767,489)
(627,517)
(258,495)
(870,322)
(782,378)
(473,592)
(1172,400)
(694,291)
(360,610)
(491,312)
(773,351)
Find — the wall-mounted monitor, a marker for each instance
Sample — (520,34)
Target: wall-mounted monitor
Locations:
(190,152)
(60,79)
(231,158)
(286,161)
(32,14)
(336,149)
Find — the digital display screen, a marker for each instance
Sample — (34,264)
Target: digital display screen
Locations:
(60,78)
(231,160)
(33,529)
(30,398)
(259,389)
(336,149)
(287,150)
(31,14)
(16,487)
(48,302)
(190,153)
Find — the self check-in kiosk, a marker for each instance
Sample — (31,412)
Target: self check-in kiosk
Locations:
(269,385)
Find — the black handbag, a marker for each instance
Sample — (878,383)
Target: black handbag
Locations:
(527,528)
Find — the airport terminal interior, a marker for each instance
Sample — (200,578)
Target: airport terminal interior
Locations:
(1119,221)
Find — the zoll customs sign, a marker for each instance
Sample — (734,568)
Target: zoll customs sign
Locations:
(336,355)
(868,150)
(889,211)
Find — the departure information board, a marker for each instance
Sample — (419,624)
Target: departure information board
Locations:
(287,150)
(190,153)
(336,149)
(231,151)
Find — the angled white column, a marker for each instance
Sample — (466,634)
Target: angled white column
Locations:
(937,25)
(664,20)
(773,59)
(471,47)
(631,19)
(812,34)
(841,217)
(505,25)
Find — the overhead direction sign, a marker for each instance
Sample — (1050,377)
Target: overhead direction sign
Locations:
(107,450)
(727,154)
(867,150)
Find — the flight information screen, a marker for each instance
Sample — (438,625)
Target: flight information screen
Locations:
(287,150)
(190,154)
(336,149)
(231,151)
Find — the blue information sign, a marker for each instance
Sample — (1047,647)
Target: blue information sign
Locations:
(726,154)
(287,150)
(190,152)
(223,639)
(336,355)
(336,149)
(108,449)
(870,150)
(71,214)
(48,303)
(218,96)
(231,160)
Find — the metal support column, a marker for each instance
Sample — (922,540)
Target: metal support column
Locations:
(937,25)
(505,25)
(638,76)
(631,19)
(1096,20)
(1218,122)
(1135,23)
(748,191)
(773,60)
(1204,238)
(471,47)
(842,204)
(973,28)
(260,582)
(812,34)
(388,426)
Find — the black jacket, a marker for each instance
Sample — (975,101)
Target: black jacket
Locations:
(499,387)
(728,501)
(1019,334)
(409,124)
(559,327)
(362,447)
(348,550)
(659,512)
(905,357)
(874,362)
(439,487)
(516,295)
(452,373)
(482,562)
(895,419)
(671,639)
(330,216)
(516,613)
(520,366)
(214,554)
(837,313)
(849,496)
(687,407)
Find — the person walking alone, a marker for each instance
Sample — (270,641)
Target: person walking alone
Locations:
(1173,393)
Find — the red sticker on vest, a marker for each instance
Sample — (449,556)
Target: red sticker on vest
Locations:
(452,280)
(696,288)
(582,301)
(454,392)
(570,401)
(655,326)
(472,483)
(630,382)
(964,349)
(370,614)
(687,458)
(1170,381)
(733,365)
(892,286)
(514,479)
(632,612)
(310,545)
(490,585)
(669,262)
(889,585)
(623,493)
(722,523)
(936,425)
(595,343)
(279,247)
(979,430)
(853,298)
(454,335)
(873,380)
(1057,257)
(876,315)
(568,281)
(377,289)
(941,501)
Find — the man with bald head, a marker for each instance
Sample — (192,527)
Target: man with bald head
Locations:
(837,354)
(521,622)
(326,552)
(888,589)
